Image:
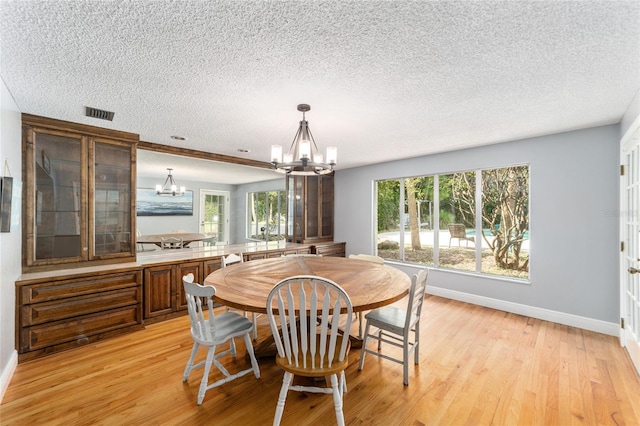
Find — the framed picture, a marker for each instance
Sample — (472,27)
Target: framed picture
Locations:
(148,203)
(6,189)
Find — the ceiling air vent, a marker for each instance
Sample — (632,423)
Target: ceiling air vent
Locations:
(99,113)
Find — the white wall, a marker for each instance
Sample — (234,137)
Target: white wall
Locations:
(10,243)
(574,229)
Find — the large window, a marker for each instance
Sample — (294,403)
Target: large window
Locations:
(475,221)
(266,213)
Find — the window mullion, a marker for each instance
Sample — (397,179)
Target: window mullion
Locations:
(479,232)
(436,221)
(401,234)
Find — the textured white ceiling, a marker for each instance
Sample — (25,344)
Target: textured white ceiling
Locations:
(385,79)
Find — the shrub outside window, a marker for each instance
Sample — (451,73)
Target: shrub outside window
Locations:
(475,221)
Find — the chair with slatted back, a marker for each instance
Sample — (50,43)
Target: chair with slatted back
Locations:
(213,330)
(307,337)
(171,243)
(232,259)
(398,327)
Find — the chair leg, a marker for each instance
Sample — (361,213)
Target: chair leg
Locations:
(232,346)
(337,400)
(189,366)
(286,382)
(363,351)
(416,350)
(405,360)
(205,375)
(343,382)
(252,356)
(255,326)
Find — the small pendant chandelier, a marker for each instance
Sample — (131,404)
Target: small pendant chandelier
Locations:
(303,157)
(169,187)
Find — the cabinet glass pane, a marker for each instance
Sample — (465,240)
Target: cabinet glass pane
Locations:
(58,201)
(112,203)
(327,206)
(312,206)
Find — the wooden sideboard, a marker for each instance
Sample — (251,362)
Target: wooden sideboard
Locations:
(67,308)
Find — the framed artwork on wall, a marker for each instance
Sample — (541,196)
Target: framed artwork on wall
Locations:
(148,203)
(6,190)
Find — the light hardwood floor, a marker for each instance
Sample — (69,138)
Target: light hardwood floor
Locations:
(478,366)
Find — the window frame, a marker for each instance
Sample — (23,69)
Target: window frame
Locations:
(478,248)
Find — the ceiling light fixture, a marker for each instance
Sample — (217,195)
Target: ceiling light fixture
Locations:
(303,157)
(169,187)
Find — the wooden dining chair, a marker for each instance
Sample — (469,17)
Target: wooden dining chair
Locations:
(213,330)
(171,243)
(232,259)
(307,336)
(368,258)
(398,327)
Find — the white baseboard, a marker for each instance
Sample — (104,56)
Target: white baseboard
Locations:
(590,324)
(7,373)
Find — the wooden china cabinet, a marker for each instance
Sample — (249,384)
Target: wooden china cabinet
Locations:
(79,195)
(309,208)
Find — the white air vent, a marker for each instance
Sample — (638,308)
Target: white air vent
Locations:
(99,113)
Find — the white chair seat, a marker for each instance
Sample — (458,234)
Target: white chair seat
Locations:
(228,325)
(389,318)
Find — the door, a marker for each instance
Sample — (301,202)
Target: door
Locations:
(630,257)
(214,214)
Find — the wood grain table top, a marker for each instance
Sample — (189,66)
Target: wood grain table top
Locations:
(369,285)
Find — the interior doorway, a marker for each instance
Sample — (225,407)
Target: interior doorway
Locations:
(214,215)
(630,255)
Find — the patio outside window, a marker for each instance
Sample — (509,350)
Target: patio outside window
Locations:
(474,221)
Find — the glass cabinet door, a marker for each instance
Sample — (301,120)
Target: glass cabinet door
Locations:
(111,204)
(78,199)
(58,197)
(309,208)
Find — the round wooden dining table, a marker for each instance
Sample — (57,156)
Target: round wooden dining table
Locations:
(246,285)
(369,285)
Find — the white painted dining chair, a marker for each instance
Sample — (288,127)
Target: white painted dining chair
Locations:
(367,258)
(232,259)
(307,336)
(398,327)
(213,330)
(171,243)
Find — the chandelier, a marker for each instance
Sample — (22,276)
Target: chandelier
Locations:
(303,157)
(169,187)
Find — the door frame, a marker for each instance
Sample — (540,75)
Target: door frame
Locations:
(630,138)
(227,211)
